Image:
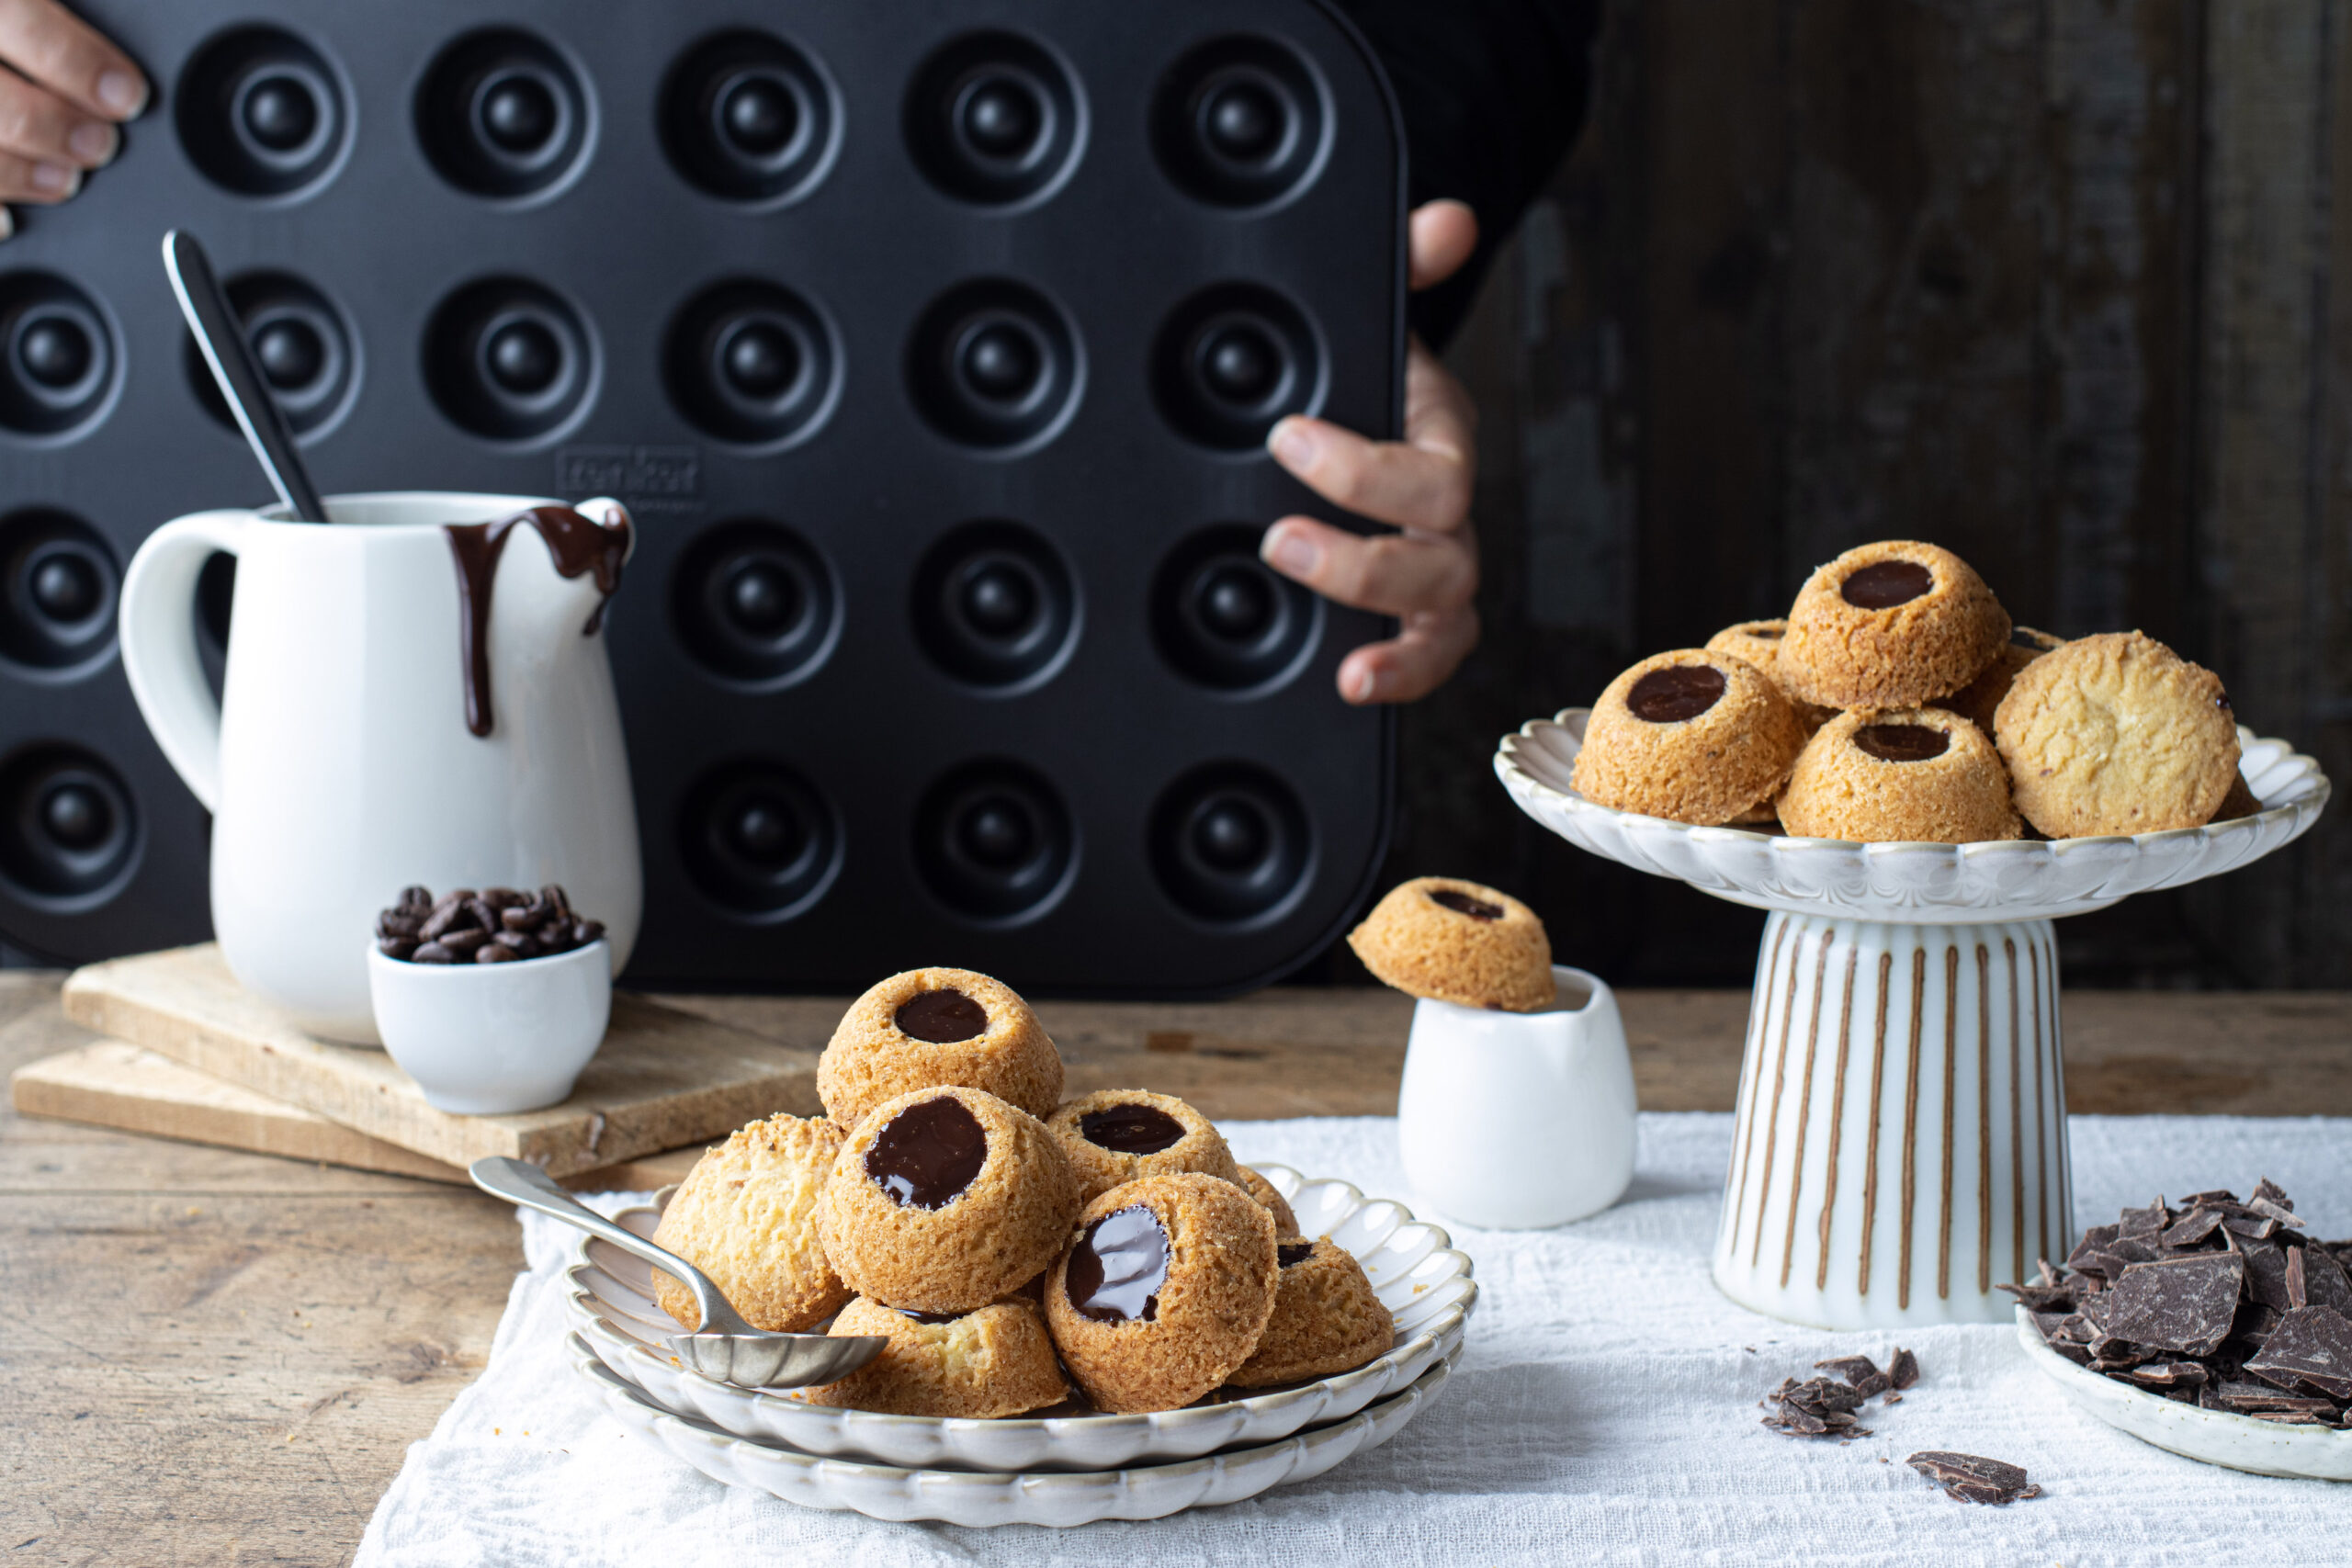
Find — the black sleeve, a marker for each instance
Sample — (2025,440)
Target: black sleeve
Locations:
(1493,92)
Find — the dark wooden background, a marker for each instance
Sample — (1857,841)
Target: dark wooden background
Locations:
(2047,282)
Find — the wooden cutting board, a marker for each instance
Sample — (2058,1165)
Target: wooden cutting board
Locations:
(663,1079)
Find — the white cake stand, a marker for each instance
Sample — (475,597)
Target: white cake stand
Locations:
(1900,1142)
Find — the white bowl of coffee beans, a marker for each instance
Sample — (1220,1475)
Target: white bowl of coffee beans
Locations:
(491,1000)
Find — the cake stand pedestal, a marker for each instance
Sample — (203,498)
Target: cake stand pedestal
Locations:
(1900,1145)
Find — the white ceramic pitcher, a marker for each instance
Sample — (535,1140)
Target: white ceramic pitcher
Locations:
(338,764)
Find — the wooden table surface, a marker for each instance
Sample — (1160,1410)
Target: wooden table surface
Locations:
(219,1358)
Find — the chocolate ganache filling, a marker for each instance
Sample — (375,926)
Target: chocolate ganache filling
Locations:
(1131,1128)
(1118,1267)
(1882,585)
(1675,693)
(1902,742)
(1463,903)
(918,1315)
(576,545)
(1290,1252)
(941,1017)
(929,1152)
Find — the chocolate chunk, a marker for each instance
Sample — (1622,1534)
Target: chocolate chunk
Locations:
(1882,585)
(1902,742)
(2200,1200)
(1290,1253)
(2312,1345)
(2042,1298)
(2191,1228)
(918,1315)
(2179,1304)
(1855,1370)
(1675,693)
(941,1017)
(2265,1272)
(2135,1249)
(1972,1479)
(2268,1191)
(2145,1223)
(2256,1228)
(2166,1374)
(1903,1371)
(1478,908)
(2095,1238)
(928,1154)
(2284,1213)
(1131,1128)
(2296,1295)
(1118,1267)
(2325,1281)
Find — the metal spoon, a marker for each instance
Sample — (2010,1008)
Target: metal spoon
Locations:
(222,340)
(725,1348)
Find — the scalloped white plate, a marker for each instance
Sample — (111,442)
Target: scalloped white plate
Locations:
(2216,1437)
(1919,884)
(966,1497)
(1418,1275)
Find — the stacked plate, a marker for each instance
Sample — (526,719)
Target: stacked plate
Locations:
(1054,1470)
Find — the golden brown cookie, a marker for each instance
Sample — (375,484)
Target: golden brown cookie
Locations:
(1326,1320)
(931,1027)
(1164,1292)
(1981,698)
(1759,642)
(1117,1136)
(977,1365)
(1258,1187)
(2117,734)
(1916,775)
(746,1215)
(1690,735)
(1458,941)
(946,1199)
(1889,626)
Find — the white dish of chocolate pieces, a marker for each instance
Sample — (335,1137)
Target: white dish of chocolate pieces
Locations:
(2217,1328)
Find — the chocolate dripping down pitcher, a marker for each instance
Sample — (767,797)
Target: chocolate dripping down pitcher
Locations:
(417,693)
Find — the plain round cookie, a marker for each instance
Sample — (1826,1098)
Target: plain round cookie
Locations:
(747,1216)
(1327,1320)
(1981,698)
(1274,1203)
(1916,775)
(1759,642)
(1458,941)
(1117,1136)
(931,1028)
(1689,735)
(1164,1293)
(980,1365)
(1892,625)
(2117,734)
(945,1199)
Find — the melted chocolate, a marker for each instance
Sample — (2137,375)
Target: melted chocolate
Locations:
(929,1152)
(1883,585)
(575,544)
(1131,1128)
(2021,638)
(1675,693)
(918,1315)
(1463,903)
(1290,1252)
(1118,1267)
(1902,742)
(941,1017)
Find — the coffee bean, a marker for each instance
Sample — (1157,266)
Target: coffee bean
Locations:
(415,898)
(503,898)
(517,917)
(397,947)
(463,943)
(394,924)
(431,952)
(495,953)
(497,925)
(585,932)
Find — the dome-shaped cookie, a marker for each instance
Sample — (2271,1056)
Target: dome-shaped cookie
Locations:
(1981,698)
(747,1216)
(1164,1292)
(1274,1203)
(979,1365)
(2117,734)
(1458,941)
(931,1027)
(1916,775)
(1117,1136)
(946,1199)
(1889,626)
(1690,735)
(1759,642)
(1326,1320)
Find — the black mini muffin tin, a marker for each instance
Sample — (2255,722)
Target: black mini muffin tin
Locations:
(933,346)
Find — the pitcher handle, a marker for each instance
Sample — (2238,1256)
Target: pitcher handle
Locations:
(158,638)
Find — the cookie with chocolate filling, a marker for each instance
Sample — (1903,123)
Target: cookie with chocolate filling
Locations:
(2118,734)
(1258,1187)
(1458,941)
(746,1215)
(945,1199)
(1759,642)
(1981,698)
(1327,1320)
(1117,1135)
(1889,626)
(930,1028)
(1916,775)
(980,1365)
(1164,1293)
(1690,735)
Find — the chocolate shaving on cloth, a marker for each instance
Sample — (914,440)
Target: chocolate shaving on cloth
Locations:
(1823,1407)
(1973,1479)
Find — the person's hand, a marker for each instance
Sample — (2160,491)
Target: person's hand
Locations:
(1427,573)
(62,91)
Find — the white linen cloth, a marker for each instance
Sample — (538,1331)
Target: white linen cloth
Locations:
(1605,1411)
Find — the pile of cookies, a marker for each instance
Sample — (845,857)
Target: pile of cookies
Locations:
(949,1202)
(1899,703)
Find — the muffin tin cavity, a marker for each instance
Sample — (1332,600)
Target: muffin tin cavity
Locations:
(994,841)
(1230,842)
(58,582)
(1240,123)
(263,113)
(307,351)
(995,606)
(994,364)
(59,362)
(995,118)
(1224,618)
(508,359)
(504,114)
(751,363)
(68,832)
(758,839)
(748,117)
(755,602)
(1231,360)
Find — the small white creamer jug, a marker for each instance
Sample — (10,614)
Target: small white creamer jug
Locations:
(1518,1120)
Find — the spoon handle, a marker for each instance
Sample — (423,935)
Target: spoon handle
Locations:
(221,339)
(528,1186)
